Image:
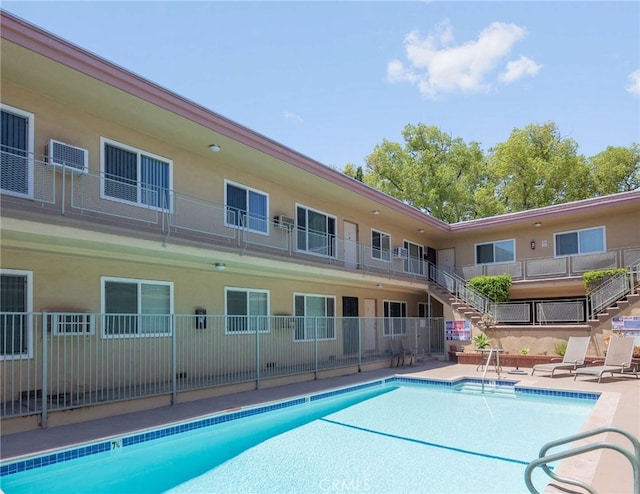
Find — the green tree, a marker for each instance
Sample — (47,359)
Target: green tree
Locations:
(536,167)
(433,172)
(616,169)
(353,172)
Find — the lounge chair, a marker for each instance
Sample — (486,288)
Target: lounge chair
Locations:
(573,357)
(617,361)
(407,351)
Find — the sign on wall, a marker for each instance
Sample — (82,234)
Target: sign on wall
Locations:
(627,326)
(457,330)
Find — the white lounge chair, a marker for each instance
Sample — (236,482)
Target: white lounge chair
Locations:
(617,361)
(573,357)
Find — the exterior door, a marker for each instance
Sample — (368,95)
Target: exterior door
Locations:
(369,324)
(350,325)
(350,245)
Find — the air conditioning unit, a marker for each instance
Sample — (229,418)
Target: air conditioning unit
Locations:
(284,222)
(64,323)
(73,158)
(400,253)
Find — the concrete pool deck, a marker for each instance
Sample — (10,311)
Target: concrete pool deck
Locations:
(606,470)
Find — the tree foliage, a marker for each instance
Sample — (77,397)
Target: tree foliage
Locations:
(456,181)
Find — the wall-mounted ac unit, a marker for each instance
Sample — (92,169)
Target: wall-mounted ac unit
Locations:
(284,222)
(73,158)
(62,323)
(400,253)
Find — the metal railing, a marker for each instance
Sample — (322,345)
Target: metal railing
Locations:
(544,459)
(549,267)
(540,312)
(459,288)
(609,292)
(175,215)
(55,361)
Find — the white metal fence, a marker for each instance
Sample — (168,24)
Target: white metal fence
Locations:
(55,361)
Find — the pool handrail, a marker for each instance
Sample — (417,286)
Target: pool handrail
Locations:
(543,459)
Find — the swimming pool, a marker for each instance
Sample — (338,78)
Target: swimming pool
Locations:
(394,435)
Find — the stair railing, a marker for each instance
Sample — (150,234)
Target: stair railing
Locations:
(614,289)
(543,459)
(461,290)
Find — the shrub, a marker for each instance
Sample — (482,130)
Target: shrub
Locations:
(494,287)
(481,340)
(592,279)
(560,348)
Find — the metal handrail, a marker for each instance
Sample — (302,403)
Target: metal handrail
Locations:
(614,289)
(543,460)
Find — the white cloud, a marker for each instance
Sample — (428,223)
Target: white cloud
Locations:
(517,69)
(634,84)
(437,65)
(292,116)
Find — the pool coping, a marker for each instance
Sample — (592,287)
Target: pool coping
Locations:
(17,464)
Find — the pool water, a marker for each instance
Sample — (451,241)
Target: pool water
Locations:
(388,438)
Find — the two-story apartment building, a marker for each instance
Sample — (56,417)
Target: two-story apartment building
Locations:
(151,246)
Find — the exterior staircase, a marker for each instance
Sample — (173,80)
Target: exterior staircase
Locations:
(614,310)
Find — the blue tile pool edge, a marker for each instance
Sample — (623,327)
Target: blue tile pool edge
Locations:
(28,463)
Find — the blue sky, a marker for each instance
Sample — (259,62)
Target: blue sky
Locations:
(331,80)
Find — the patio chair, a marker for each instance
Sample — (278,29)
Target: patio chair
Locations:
(396,353)
(617,361)
(573,357)
(407,351)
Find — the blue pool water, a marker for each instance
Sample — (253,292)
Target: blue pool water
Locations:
(384,437)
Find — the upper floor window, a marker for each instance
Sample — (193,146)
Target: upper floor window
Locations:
(247,311)
(136,307)
(16,152)
(246,208)
(587,241)
(316,316)
(380,245)
(316,232)
(492,252)
(16,299)
(135,176)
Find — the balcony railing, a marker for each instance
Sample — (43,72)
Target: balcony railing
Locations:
(554,267)
(55,361)
(175,215)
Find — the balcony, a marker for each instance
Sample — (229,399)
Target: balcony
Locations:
(62,195)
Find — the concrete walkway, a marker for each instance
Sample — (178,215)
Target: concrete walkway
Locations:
(608,472)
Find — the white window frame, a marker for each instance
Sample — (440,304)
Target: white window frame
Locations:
(413,262)
(331,238)
(389,319)
(247,190)
(139,314)
(266,316)
(303,319)
(30,152)
(602,228)
(29,314)
(139,153)
(381,254)
(493,244)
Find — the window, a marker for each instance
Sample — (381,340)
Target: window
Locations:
(246,208)
(424,309)
(380,246)
(15,318)
(136,308)
(415,262)
(316,317)
(16,152)
(133,176)
(586,241)
(492,252)
(316,232)
(247,311)
(395,314)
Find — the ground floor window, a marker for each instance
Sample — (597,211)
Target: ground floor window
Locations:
(136,307)
(247,311)
(15,307)
(395,318)
(315,317)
